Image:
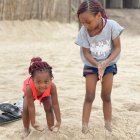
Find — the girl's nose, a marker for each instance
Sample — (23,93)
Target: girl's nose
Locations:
(42,85)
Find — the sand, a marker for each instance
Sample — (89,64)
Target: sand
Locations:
(54,42)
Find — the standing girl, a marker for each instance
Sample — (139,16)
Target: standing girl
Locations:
(40,87)
(100,47)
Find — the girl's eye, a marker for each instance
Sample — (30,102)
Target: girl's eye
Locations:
(88,23)
(46,82)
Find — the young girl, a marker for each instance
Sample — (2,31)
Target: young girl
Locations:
(99,41)
(39,86)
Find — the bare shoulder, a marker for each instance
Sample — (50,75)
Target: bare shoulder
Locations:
(28,90)
(53,88)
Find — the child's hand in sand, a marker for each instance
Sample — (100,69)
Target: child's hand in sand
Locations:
(85,129)
(38,127)
(56,127)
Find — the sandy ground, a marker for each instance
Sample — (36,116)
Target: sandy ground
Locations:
(54,42)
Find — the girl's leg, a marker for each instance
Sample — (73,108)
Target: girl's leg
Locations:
(106,97)
(49,111)
(25,118)
(91,81)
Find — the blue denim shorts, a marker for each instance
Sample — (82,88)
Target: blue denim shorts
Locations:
(92,70)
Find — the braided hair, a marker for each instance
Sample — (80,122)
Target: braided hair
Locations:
(38,65)
(94,6)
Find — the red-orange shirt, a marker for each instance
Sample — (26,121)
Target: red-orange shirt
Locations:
(30,82)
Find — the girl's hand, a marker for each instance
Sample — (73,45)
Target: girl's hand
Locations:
(104,63)
(100,72)
(56,127)
(38,127)
(101,68)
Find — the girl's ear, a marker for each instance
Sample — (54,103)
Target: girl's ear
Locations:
(99,16)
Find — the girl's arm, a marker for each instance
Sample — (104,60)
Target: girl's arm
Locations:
(31,109)
(114,54)
(30,104)
(88,56)
(55,104)
(117,49)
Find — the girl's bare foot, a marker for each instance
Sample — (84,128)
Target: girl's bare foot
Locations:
(25,133)
(108,126)
(85,129)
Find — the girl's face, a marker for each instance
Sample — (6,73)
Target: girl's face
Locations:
(41,80)
(90,21)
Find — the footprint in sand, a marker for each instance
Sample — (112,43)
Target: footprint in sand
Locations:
(116,85)
(80,136)
(133,107)
(36,135)
(38,114)
(138,130)
(56,136)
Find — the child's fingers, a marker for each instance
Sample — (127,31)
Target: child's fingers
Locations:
(100,74)
(52,128)
(39,128)
(100,77)
(55,129)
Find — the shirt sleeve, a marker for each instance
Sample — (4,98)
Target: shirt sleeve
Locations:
(116,29)
(82,39)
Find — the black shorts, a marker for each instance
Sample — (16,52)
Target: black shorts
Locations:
(92,70)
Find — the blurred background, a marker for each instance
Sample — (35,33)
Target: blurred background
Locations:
(54,10)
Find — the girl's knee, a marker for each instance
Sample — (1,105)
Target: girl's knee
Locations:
(89,97)
(106,98)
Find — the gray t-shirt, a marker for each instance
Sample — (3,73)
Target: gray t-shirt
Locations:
(100,45)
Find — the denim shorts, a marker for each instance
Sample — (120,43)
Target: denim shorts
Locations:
(92,70)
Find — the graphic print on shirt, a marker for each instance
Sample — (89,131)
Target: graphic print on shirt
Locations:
(101,49)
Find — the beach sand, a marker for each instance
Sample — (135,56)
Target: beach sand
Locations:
(54,43)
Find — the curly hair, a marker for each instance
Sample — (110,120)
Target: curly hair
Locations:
(94,6)
(38,65)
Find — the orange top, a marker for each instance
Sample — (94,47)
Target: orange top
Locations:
(30,82)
